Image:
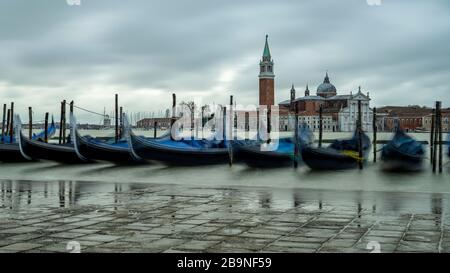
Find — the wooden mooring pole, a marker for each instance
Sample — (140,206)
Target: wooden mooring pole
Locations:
(174,105)
(224,129)
(64,121)
(433,123)
(70,115)
(155,124)
(231,120)
(203,119)
(30,122)
(247,125)
(3,123)
(120,122)
(375,129)
(360,144)
(269,129)
(257,124)
(435,136)
(320,125)
(8,119)
(440,136)
(174,109)
(11,124)
(61,126)
(116,116)
(46,128)
(296,144)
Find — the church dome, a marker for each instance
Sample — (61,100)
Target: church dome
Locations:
(326,87)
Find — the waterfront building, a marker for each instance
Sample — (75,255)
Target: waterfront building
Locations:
(150,123)
(427,120)
(339,112)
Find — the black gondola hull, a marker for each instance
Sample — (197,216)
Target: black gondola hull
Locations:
(11,153)
(255,158)
(150,151)
(94,151)
(40,150)
(327,159)
(402,153)
(394,160)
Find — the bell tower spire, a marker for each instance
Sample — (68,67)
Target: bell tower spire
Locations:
(266,77)
(266,52)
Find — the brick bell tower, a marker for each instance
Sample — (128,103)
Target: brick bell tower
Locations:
(266,78)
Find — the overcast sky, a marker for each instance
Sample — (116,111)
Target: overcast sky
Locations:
(209,49)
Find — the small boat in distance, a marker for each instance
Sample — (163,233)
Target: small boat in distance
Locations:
(339,155)
(402,153)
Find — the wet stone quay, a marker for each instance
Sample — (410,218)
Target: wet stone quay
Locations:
(66,216)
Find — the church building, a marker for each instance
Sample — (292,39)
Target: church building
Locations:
(339,112)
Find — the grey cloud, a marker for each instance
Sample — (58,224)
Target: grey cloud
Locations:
(145,50)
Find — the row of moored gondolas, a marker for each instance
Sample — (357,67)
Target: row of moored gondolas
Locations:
(402,153)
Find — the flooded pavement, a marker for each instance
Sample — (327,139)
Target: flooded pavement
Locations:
(102,207)
(47,207)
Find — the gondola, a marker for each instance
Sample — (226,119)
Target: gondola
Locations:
(51,130)
(402,153)
(36,149)
(10,152)
(182,152)
(185,152)
(339,155)
(276,154)
(96,149)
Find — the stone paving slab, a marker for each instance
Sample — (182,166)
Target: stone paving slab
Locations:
(179,219)
(20,247)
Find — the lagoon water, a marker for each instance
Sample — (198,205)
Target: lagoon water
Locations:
(369,179)
(36,195)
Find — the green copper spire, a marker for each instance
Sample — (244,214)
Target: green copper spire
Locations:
(266,63)
(266,52)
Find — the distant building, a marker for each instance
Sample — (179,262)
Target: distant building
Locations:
(348,114)
(427,120)
(150,123)
(410,118)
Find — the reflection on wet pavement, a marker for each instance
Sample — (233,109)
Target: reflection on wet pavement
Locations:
(43,216)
